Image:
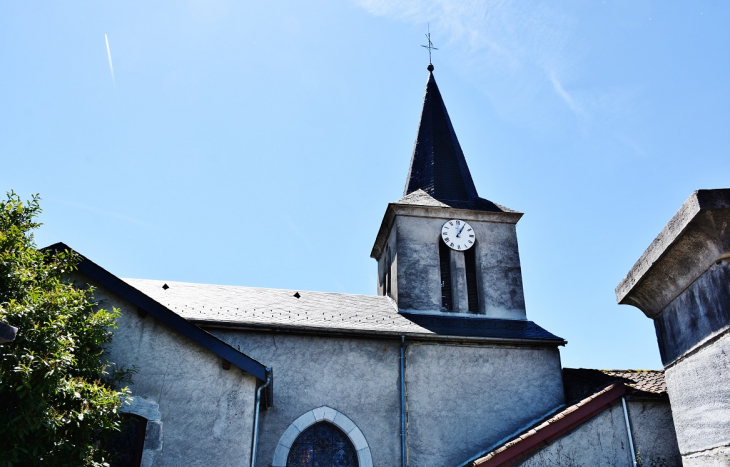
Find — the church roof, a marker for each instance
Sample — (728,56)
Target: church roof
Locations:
(438,166)
(146,304)
(325,312)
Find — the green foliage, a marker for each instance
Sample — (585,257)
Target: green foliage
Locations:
(57,398)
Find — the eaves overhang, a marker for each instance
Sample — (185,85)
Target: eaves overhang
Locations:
(386,335)
(692,241)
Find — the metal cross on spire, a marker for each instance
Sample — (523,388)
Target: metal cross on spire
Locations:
(430,46)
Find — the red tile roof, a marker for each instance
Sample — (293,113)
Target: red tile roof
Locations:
(643,380)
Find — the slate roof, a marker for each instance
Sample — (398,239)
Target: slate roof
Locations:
(325,312)
(438,166)
(147,304)
(421,198)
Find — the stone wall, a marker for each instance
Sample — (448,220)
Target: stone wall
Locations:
(700,311)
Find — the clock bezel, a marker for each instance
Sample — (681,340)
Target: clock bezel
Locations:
(458,246)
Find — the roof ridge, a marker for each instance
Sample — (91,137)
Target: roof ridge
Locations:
(125,279)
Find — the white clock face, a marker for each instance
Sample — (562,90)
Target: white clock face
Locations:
(458,235)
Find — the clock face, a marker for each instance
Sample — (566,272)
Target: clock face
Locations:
(458,235)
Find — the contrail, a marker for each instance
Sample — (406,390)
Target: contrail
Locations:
(109,53)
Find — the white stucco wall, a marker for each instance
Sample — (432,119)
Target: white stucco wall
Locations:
(205,412)
(356,377)
(463,399)
(601,441)
(653,432)
(699,388)
(497,258)
(460,398)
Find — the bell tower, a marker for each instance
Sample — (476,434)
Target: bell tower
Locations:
(441,248)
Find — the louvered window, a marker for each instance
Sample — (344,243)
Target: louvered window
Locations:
(445,263)
(471,279)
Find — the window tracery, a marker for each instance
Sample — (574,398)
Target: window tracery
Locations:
(322,445)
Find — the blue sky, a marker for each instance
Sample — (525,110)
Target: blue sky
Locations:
(258,143)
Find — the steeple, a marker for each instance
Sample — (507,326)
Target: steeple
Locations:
(423,265)
(438,166)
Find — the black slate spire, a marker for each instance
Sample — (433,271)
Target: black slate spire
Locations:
(438,166)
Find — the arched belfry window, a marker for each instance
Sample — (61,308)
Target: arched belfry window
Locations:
(322,445)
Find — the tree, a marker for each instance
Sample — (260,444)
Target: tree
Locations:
(58,402)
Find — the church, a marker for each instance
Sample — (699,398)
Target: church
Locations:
(441,366)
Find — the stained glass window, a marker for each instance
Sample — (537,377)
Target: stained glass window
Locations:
(322,445)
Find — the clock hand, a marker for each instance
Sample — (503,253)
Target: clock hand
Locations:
(459,233)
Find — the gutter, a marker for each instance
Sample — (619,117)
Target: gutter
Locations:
(255,440)
(403,452)
(339,332)
(628,431)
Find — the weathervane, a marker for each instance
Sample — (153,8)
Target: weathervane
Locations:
(430,47)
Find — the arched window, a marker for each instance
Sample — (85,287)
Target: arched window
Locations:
(322,445)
